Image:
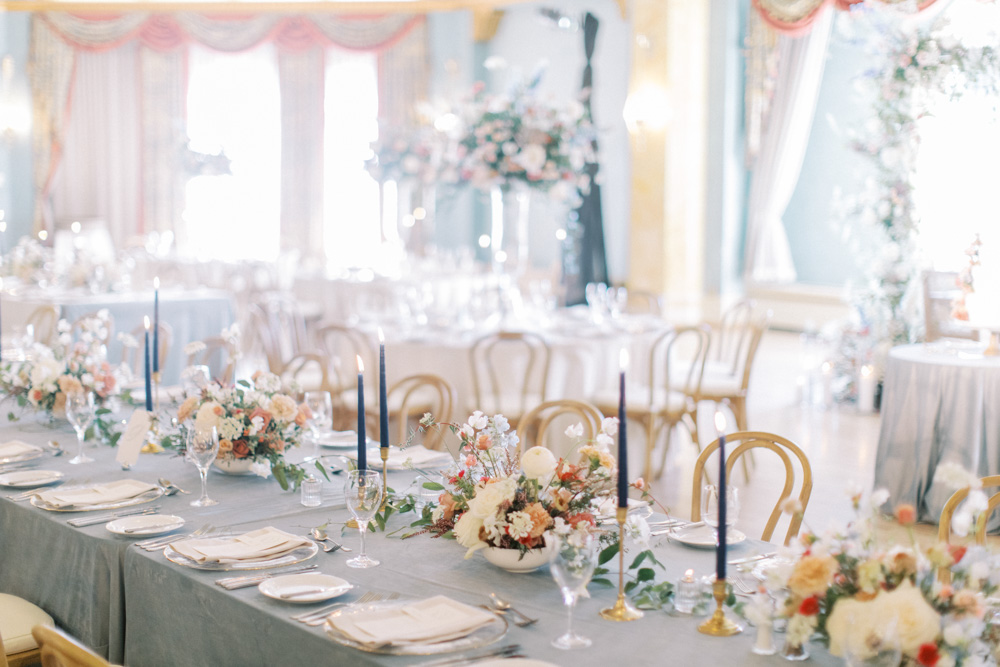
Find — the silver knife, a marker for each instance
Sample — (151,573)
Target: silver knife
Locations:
(104,518)
(232,583)
(155,526)
(470,659)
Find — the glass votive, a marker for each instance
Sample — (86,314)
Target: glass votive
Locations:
(687,593)
(312,492)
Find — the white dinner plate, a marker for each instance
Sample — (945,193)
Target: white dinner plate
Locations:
(326,587)
(147,524)
(703,536)
(30,478)
(339,440)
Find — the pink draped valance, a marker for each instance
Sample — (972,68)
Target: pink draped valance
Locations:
(795,17)
(167,32)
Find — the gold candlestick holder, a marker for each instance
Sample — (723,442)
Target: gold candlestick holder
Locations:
(384,452)
(718,625)
(156,390)
(622,610)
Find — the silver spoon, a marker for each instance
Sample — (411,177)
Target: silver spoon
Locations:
(56,449)
(320,535)
(170,485)
(504,605)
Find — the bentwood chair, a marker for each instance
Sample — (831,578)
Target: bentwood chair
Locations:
(948,511)
(742,443)
(61,650)
(309,370)
(675,366)
(412,397)
(17,617)
(217,356)
(510,373)
(42,324)
(535,427)
(342,346)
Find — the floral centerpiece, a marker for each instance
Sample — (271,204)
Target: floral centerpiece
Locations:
(256,423)
(418,154)
(520,138)
(865,599)
(48,374)
(494,498)
(29,260)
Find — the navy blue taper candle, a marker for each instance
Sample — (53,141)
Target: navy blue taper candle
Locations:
(149,375)
(362,443)
(622,434)
(383,404)
(156,325)
(720,548)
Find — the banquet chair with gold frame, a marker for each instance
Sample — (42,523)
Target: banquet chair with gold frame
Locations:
(412,397)
(676,359)
(948,511)
(509,359)
(42,322)
(133,357)
(743,443)
(17,618)
(216,355)
(342,345)
(310,370)
(534,426)
(59,649)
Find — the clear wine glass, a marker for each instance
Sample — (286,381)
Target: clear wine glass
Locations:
(710,506)
(573,561)
(321,406)
(80,413)
(202,448)
(363,490)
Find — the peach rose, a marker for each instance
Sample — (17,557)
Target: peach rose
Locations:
(264,415)
(59,407)
(69,384)
(187,408)
(560,499)
(284,408)
(540,519)
(304,415)
(225,446)
(582,517)
(447,503)
(906,514)
(240,449)
(812,575)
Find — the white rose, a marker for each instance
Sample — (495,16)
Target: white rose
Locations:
(916,621)
(538,463)
(206,417)
(953,634)
(490,496)
(467,533)
(531,158)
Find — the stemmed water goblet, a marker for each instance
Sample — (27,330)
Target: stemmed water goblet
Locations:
(363,491)
(202,448)
(321,408)
(573,561)
(710,507)
(80,413)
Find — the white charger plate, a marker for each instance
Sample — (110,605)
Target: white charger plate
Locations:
(332,587)
(146,524)
(703,536)
(27,479)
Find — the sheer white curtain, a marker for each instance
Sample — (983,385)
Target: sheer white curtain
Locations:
(102,137)
(768,258)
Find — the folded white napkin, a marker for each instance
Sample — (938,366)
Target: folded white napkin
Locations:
(261,544)
(418,455)
(14,448)
(111,492)
(430,621)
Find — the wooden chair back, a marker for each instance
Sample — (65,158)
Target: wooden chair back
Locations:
(42,322)
(534,427)
(677,361)
(217,357)
(342,345)
(133,357)
(731,339)
(61,650)
(310,370)
(412,396)
(504,359)
(743,442)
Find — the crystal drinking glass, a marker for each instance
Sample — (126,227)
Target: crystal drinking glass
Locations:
(202,448)
(573,561)
(321,406)
(363,490)
(710,506)
(80,413)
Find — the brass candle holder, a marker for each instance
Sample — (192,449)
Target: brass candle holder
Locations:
(622,610)
(384,451)
(718,625)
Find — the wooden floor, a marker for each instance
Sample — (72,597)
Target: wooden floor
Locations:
(839,442)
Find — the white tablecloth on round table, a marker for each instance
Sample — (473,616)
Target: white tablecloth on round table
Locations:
(941,402)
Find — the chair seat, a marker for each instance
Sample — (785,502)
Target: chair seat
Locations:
(673,404)
(720,385)
(17,617)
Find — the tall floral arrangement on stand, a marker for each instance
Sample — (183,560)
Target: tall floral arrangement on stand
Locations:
(913,69)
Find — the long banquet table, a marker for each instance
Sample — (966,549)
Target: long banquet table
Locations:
(136,607)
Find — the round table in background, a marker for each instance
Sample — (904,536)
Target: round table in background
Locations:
(940,403)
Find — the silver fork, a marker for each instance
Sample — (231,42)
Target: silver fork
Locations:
(160,542)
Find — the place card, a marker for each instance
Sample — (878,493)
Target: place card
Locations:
(133,438)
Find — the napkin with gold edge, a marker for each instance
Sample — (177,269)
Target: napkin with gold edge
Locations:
(122,489)
(434,620)
(13,448)
(257,545)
